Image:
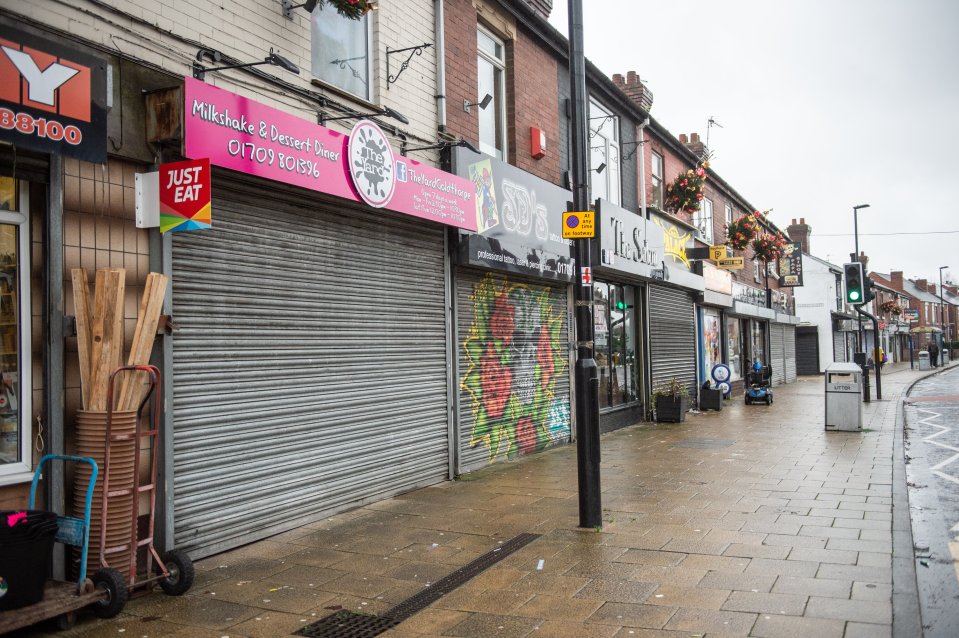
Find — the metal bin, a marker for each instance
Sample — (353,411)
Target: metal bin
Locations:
(844,397)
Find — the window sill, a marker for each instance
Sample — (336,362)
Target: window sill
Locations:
(16,477)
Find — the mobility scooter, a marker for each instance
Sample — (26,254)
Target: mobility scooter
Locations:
(758,381)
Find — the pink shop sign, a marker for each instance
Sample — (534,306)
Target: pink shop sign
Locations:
(249,137)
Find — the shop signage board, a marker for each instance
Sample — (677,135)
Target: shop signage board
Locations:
(748,294)
(790,266)
(654,248)
(246,136)
(518,220)
(53,98)
(911,314)
(580,225)
(717,280)
(185,195)
(731,263)
(718,252)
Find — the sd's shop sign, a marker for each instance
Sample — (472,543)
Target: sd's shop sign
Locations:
(52,98)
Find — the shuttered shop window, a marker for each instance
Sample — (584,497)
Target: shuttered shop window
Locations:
(672,337)
(309,367)
(513,367)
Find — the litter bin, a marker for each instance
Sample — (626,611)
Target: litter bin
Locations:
(844,397)
(924,360)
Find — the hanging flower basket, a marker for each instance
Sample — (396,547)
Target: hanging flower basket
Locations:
(352,9)
(686,191)
(769,248)
(891,307)
(741,231)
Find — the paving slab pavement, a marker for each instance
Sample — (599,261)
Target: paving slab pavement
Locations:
(752,521)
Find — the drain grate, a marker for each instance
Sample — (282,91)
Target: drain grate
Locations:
(447,584)
(346,624)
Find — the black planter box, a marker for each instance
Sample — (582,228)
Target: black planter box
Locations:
(710,399)
(671,409)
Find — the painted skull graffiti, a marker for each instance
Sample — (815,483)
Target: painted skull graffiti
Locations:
(516,353)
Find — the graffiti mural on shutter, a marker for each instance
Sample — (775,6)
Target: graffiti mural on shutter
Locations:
(514,354)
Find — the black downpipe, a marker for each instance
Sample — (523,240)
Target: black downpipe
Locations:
(587,375)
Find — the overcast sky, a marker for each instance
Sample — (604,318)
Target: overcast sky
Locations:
(824,104)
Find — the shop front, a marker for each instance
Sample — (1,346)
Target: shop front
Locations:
(51,122)
(644,315)
(311,324)
(747,325)
(716,301)
(513,307)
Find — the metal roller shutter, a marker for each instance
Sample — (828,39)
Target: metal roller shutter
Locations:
(807,350)
(513,367)
(309,366)
(789,332)
(777,353)
(672,337)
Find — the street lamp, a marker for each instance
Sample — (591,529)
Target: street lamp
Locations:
(855,222)
(942,329)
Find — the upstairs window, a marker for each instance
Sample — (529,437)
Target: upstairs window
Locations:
(603,154)
(491,80)
(729,214)
(340,53)
(657,179)
(704,221)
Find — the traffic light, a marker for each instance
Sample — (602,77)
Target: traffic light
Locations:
(855,287)
(868,294)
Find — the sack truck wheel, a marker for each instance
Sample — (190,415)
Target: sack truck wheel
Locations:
(112,582)
(181,573)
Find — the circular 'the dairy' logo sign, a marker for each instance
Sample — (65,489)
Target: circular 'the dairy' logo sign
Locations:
(371,164)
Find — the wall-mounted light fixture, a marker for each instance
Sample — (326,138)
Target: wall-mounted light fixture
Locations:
(444,144)
(482,103)
(599,169)
(274,58)
(288,7)
(384,111)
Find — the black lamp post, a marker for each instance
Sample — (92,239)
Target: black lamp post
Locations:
(942,324)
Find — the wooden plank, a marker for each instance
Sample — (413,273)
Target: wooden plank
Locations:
(81,301)
(104,337)
(133,386)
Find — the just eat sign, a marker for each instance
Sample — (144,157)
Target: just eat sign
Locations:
(185,195)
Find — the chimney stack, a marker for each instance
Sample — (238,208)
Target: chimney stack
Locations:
(864,261)
(897,282)
(921,284)
(694,144)
(634,89)
(800,232)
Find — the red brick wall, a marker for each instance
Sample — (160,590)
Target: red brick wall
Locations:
(460,25)
(532,101)
(531,91)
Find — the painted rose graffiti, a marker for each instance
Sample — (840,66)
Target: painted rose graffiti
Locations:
(515,354)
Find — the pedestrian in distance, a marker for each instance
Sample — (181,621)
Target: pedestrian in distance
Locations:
(933,354)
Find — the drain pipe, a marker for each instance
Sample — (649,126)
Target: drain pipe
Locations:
(642,173)
(440,38)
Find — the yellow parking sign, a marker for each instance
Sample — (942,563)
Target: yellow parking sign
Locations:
(579,225)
